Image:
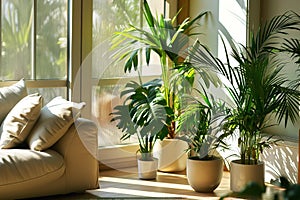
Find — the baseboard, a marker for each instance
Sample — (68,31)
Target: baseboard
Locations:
(117,156)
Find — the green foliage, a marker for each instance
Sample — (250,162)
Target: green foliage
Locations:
(17,22)
(169,41)
(252,190)
(291,191)
(16,38)
(292,46)
(113,15)
(144,113)
(258,86)
(198,123)
(51,39)
(161,36)
(262,87)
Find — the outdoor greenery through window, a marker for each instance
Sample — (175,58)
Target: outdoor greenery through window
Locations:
(34,42)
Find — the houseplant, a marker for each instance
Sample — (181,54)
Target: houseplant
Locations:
(199,122)
(145,114)
(169,41)
(258,88)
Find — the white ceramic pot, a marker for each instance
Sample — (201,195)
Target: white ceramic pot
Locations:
(241,174)
(204,175)
(147,169)
(171,154)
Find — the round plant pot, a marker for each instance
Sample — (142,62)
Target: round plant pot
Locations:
(242,174)
(147,169)
(171,155)
(204,175)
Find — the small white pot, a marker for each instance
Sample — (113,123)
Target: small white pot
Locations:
(204,175)
(171,154)
(147,169)
(241,174)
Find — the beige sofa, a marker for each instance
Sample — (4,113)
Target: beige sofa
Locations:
(45,148)
(70,165)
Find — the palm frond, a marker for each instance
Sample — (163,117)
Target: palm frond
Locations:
(264,42)
(206,65)
(288,104)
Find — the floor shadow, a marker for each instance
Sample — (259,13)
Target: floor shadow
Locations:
(71,196)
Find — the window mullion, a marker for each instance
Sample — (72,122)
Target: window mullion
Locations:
(2,78)
(33,40)
(141,26)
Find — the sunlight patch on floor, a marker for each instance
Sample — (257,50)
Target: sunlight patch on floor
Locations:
(171,174)
(146,183)
(143,193)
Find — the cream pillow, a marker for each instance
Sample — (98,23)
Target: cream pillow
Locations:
(20,120)
(55,119)
(11,95)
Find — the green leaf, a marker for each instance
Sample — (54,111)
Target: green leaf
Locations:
(148,15)
(132,61)
(145,113)
(148,53)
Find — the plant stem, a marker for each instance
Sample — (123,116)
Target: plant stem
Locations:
(166,89)
(165,77)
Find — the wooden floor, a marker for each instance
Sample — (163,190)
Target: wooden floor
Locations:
(124,184)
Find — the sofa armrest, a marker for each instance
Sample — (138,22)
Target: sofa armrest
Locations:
(79,147)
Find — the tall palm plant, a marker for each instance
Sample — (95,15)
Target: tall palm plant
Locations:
(258,86)
(166,39)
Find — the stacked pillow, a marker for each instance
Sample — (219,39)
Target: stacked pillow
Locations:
(54,121)
(24,119)
(11,95)
(19,121)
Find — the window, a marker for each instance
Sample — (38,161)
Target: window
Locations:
(52,43)
(232,12)
(41,41)
(112,16)
(32,47)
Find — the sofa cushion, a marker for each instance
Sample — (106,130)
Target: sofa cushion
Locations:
(20,120)
(24,165)
(54,121)
(9,96)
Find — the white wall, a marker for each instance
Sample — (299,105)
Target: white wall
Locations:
(210,25)
(270,8)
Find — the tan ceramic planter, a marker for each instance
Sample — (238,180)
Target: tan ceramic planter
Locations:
(241,174)
(171,155)
(204,175)
(147,169)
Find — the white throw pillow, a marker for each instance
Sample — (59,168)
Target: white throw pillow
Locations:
(20,120)
(11,95)
(55,119)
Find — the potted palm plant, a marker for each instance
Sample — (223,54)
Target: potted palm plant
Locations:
(169,41)
(145,114)
(199,122)
(258,88)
